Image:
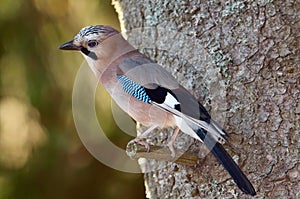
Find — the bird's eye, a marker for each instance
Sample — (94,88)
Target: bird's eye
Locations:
(92,43)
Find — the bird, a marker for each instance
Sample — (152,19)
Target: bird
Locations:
(151,95)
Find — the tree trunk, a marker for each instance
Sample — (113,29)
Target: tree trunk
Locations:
(242,61)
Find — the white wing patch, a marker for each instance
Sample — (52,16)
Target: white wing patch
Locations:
(171,101)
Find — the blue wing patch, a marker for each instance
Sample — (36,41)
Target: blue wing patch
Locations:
(134,89)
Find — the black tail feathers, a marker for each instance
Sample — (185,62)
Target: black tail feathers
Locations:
(228,163)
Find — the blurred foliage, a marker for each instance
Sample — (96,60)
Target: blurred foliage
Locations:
(41,153)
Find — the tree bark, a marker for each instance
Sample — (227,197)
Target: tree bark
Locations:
(241,60)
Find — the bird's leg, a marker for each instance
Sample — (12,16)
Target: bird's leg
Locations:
(139,138)
(171,142)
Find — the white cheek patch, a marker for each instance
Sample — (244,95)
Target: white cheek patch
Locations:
(91,65)
(171,101)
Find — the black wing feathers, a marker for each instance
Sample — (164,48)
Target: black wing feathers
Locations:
(157,95)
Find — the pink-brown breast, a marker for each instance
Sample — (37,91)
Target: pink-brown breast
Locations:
(144,113)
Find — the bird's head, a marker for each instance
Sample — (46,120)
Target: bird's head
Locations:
(89,40)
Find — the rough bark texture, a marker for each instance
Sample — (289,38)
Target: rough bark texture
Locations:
(241,60)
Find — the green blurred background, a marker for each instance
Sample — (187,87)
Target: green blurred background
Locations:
(41,155)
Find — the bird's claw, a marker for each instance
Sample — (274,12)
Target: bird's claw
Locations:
(141,142)
(170,145)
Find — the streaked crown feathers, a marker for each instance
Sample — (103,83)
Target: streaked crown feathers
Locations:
(97,32)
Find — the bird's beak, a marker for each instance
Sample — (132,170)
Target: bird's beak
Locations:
(69,46)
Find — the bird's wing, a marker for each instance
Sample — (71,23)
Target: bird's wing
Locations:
(161,89)
(164,92)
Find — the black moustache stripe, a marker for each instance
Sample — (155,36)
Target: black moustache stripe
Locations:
(89,53)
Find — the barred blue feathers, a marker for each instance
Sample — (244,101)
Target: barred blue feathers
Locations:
(134,89)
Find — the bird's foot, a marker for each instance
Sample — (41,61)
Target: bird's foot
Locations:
(170,145)
(141,142)
(139,139)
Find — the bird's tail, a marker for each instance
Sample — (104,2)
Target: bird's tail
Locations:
(228,163)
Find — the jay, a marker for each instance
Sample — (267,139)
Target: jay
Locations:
(150,95)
